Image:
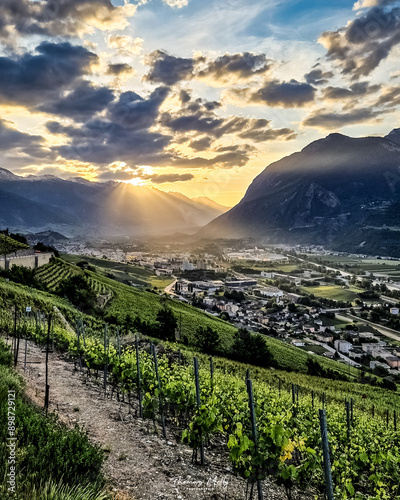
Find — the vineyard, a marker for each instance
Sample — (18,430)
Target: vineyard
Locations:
(52,275)
(208,400)
(9,245)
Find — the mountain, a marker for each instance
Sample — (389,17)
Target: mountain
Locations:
(80,207)
(338,191)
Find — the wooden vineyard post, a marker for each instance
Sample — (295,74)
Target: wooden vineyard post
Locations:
(294,399)
(395,421)
(246,378)
(119,343)
(138,377)
(78,335)
(347,404)
(387,418)
(254,428)
(26,349)
(83,333)
(327,460)
(46,399)
(159,390)
(312,398)
(351,409)
(280,382)
(212,372)
(105,359)
(15,333)
(197,383)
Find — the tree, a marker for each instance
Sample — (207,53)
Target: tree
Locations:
(253,350)
(207,339)
(77,290)
(166,324)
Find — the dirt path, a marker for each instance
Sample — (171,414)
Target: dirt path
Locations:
(141,464)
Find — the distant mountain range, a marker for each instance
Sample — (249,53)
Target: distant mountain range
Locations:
(80,207)
(339,191)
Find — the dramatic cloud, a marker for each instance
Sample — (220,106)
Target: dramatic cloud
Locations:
(390,97)
(20,149)
(318,77)
(336,120)
(81,103)
(122,69)
(164,178)
(355,90)
(234,67)
(178,4)
(168,69)
(125,45)
(224,70)
(32,79)
(61,17)
(122,135)
(198,116)
(291,94)
(360,46)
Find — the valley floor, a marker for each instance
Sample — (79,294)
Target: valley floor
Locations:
(141,464)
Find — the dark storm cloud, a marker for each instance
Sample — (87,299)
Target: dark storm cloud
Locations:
(81,103)
(164,178)
(318,77)
(365,42)
(389,98)
(60,17)
(355,90)
(122,135)
(197,116)
(335,120)
(20,149)
(120,69)
(32,79)
(292,94)
(286,94)
(11,138)
(202,144)
(243,66)
(168,69)
(135,113)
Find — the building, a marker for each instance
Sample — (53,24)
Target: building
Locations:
(393,361)
(240,283)
(373,364)
(268,275)
(324,337)
(343,346)
(271,292)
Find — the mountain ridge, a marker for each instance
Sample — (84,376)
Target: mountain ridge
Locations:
(321,194)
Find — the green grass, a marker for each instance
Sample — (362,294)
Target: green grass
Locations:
(335,292)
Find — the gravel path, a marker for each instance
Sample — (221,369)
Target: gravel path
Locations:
(141,464)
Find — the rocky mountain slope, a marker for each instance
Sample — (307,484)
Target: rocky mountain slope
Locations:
(340,191)
(77,206)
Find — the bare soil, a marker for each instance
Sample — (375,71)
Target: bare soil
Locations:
(141,464)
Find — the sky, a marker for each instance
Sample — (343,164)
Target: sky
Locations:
(190,96)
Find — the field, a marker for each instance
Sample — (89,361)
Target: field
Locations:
(335,292)
(390,268)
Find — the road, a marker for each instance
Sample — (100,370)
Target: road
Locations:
(388,332)
(332,350)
